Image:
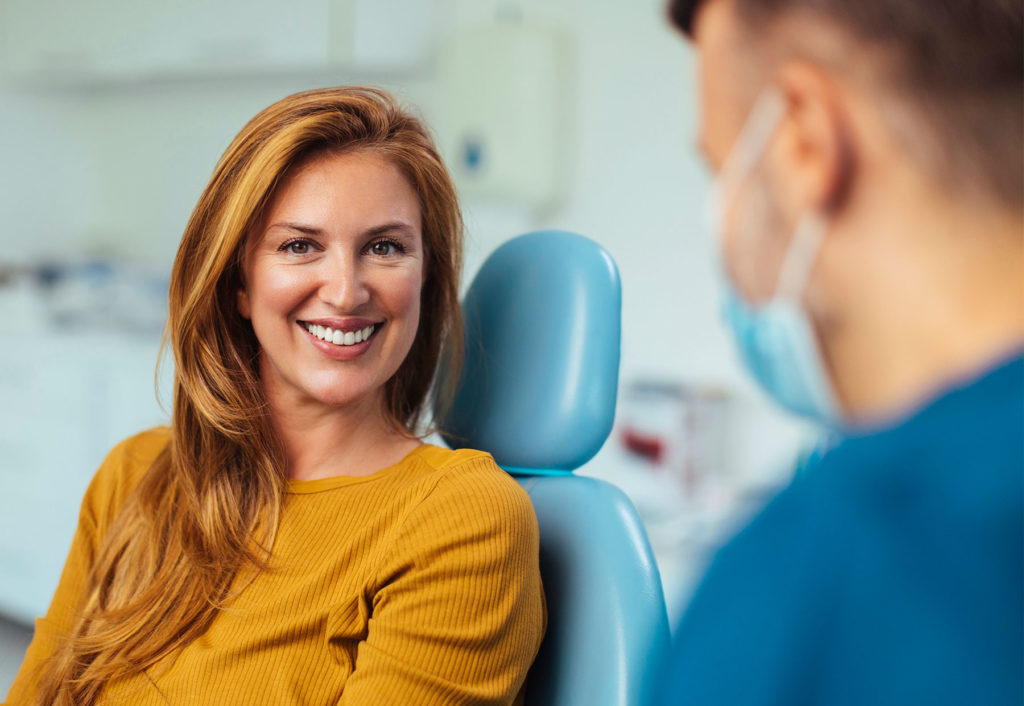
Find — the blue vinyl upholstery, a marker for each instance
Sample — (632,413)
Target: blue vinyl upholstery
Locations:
(538,392)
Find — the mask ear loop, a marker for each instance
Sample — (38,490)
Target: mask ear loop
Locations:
(764,118)
(799,260)
(757,130)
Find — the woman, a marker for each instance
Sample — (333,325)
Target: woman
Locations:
(289,539)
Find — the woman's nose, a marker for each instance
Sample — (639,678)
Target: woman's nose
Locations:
(343,284)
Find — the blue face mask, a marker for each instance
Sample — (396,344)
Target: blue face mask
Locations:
(776,338)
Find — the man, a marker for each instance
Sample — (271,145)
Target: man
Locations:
(869,164)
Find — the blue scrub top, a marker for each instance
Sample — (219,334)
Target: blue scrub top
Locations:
(891,572)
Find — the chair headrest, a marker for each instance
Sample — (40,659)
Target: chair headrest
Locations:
(543,332)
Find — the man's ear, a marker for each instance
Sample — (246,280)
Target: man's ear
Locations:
(242,302)
(815,138)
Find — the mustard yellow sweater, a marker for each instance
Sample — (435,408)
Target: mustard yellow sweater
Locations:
(418,584)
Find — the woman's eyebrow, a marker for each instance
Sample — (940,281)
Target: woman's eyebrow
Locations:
(400,226)
(304,229)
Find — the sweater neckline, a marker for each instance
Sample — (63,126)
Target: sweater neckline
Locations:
(302,487)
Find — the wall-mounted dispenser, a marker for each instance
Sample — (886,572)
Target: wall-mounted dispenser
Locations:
(501,112)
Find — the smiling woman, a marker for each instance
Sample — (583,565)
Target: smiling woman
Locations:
(340,257)
(289,539)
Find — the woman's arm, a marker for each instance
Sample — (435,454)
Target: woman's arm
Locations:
(459,613)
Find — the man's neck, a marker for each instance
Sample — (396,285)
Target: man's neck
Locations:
(940,299)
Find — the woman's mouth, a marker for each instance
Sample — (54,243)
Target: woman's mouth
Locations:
(339,337)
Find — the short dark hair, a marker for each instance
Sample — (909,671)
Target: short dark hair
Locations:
(959,62)
(681,13)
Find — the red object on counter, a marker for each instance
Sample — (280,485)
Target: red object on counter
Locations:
(646,446)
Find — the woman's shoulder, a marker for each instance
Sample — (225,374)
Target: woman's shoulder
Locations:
(469,465)
(145,444)
(461,507)
(439,458)
(474,478)
(132,456)
(122,469)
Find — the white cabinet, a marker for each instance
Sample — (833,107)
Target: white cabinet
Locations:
(115,40)
(64,402)
(502,126)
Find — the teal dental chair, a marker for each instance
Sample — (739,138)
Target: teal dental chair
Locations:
(537,391)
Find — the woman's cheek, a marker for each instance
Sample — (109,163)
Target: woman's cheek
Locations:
(407,293)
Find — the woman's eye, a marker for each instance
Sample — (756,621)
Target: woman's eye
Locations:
(383,248)
(297,247)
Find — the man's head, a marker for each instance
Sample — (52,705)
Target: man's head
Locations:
(897,136)
(948,74)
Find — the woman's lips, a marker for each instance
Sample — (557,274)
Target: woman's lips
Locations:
(342,343)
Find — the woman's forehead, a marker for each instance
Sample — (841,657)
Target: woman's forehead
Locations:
(344,193)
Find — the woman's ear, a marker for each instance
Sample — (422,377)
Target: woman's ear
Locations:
(242,302)
(242,295)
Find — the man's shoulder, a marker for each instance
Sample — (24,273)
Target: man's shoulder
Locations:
(954,465)
(960,454)
(876,544)
(966,442)
(796,527)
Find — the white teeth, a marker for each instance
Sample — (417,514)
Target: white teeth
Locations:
(338,337)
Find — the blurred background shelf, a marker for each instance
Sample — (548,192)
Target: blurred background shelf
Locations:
(109,41)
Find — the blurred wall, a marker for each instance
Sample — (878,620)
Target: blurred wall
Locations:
(120,167)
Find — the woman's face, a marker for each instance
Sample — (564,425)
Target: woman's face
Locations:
(332,282)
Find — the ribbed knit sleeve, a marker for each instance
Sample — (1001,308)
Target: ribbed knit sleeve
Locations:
(459,612)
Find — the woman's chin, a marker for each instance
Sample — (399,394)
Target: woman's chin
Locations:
(346,398)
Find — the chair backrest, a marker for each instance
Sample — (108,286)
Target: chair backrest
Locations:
(538,390)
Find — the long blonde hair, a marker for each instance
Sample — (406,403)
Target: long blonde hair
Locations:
(210,503)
